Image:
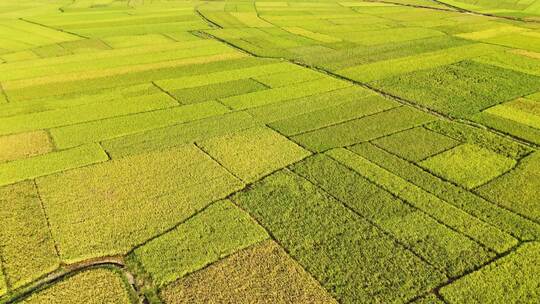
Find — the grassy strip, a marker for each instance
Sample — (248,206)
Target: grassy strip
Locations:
(50,163)
(480,137)
(131,75)
(84,113)
(24,145)
(27,249)
(218,90)
(468,165)
(263,273)
(457,196)
(288,78)
(94,286)
(509,279)
(393,67)
(144,196)
(94,131)
(363,129)
(100,96)
(448,214)
(508,126)
(416,144)
(351,258)
(284,93)
(442,247)
(304,105)
(518,190)
(333,115)
(216,232)
(253,153)
(461,89)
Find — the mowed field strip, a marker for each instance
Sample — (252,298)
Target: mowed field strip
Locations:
(329,151)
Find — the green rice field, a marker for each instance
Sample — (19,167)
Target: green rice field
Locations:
(246,151)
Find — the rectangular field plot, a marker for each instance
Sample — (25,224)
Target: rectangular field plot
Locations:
(437,208)
(333,115)
(215,233)
(363,129)
(243,275)
(503,219)
(461,89)
(24,145)
(133,199)
(444,248)
(28,249)
(45,164)
(512,277)
(518,190)
(253,153)
(468,165)
(98,285)
(352,258)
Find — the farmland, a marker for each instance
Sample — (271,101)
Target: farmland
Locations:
(369,151)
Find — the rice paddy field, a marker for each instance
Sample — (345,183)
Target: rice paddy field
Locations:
(381,151)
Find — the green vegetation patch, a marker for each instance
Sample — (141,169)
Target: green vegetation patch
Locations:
(294,91)
(94,286)
(253,153)
(363,129)
(333,115)
(28,250)
(444,248)
(468,165)
(523,111)
(351,258)
(513,278)
(416,144)
(24,145)
(179,134)
(218,90)
(23,169)
(480,137)
(461,89)
(3,284)
(444,212)
(84,113)
(133,199)
(518,190)
(216,232)
(94,131)
(263,273)
(475,205)
(304,105)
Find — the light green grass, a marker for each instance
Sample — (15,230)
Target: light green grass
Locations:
(28,249)
(94,131)
(468,165)
(519,189)
(216,232)
(50,163)
(253,153)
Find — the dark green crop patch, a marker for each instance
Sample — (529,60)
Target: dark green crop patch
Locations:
(461,89)
(444,248)
(352,259)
